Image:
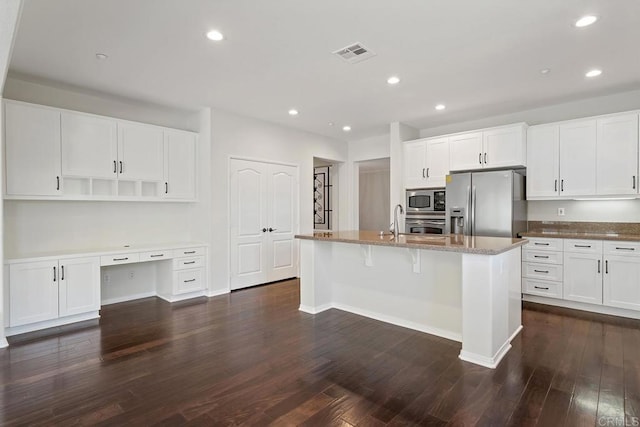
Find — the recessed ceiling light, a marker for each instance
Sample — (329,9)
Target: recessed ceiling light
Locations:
(330,123)
(293,112)
(545,71)
(101,56)
(586,21)
(440,107)
(393,80)
(215,35)
(346,128)
(593,73)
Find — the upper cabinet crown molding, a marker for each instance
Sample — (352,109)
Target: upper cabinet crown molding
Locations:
(60,154)
(591,157)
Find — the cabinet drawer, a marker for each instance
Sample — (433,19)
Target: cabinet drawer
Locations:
(119,259)
(543,257)
(533,270)
(622,248)
(190,252)
(583,246)
(188,280)
(544,244)
(542,287)
(184,263)
(156,255)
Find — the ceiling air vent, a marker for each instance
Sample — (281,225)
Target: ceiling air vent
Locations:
(355,53)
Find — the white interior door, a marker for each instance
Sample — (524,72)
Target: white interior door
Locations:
(282,204)
(247,220)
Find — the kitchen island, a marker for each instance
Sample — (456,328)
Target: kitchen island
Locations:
(464,288)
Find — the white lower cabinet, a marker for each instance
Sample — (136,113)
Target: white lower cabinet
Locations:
(605,273)
(184,276)
(48,290)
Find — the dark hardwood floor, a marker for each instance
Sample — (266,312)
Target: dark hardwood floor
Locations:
(252,358)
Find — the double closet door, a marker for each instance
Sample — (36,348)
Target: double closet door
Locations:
(264,218)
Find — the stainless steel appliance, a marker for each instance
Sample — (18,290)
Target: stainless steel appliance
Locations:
(488,203)
(425,211)
(425,201)
(425,225)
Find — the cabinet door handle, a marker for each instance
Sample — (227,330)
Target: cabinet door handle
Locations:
(423,173)
(625,249)
(272,229)
(120,166)
(562,185)
(190,280)
(54,274)
(540,287)
(581,246)
(598,266)
(115,168)
(62,272)
(427,172)
(156,256)
(634,182)
(555,185)
(480,158)
(541,244)
(57,183)
(542,271)
(121,259)
(541,256)
(190,262)
(189,252)
(166,188)
(606,266)
(485,158)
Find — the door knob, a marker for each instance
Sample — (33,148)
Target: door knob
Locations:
(271,229)
(264,230)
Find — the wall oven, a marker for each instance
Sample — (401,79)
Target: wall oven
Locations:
(425,212)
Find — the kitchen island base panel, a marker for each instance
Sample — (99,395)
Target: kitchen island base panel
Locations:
(472,298)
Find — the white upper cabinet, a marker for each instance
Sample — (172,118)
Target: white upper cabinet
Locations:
(180,162)
(578,158)
(32,138)
(54,153)
(89,146)
(465,151)
(617,155)
(140,152)
(415,167)
(543,161)
(499,147)
(437,162)
(584,158)
(426,163)
(504,147)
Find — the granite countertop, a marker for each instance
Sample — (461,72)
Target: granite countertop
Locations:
(625,231)
(565,234)
(449,242)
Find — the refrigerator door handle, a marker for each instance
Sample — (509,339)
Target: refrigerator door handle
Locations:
(473,211)
(467,226)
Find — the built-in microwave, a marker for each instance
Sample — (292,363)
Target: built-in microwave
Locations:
(425,201)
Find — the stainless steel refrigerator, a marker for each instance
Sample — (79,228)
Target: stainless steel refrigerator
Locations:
(490,203)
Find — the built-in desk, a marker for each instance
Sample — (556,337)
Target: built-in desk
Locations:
(52,289)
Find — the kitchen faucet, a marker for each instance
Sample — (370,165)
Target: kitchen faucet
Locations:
(396,229)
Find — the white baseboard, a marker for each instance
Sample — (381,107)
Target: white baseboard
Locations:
(601,309)
(217,292)
(3,342)
(315,310)
(515,334)
(182,297)
(128,298)
(51,323)
(488,362)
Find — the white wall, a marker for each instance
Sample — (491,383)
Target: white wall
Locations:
(9,17)
(234,135)
(374,200)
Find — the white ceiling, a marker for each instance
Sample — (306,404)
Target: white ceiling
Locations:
(480,58)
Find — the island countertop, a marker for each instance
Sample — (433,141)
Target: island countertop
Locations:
(449,242)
